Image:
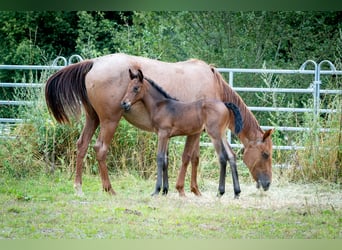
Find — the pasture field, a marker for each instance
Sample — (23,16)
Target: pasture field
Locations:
(45,207)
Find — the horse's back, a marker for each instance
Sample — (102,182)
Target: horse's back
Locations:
(187,80)
(108,80)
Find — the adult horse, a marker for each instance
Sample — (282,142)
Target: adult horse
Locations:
(99,85)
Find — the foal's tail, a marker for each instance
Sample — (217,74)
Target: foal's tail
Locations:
(65,92)
(237,116)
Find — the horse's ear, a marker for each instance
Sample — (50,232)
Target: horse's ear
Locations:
(267,134)
(140,75)
(131,75)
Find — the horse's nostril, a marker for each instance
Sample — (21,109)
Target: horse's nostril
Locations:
(266,185)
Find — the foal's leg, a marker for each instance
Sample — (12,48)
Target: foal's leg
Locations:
(162,165)
(232,162)
(222,155)
(194,166)
(107,130)
(190,153)
(82,147)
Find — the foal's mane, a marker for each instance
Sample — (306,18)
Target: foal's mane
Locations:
(160,89)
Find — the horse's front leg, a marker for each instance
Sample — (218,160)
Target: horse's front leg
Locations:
(162,165)
(82,147)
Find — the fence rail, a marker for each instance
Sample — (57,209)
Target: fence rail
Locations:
(313,88)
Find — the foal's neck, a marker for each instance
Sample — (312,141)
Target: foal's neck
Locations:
(152,98)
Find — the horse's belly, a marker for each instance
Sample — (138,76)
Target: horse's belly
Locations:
(139,117)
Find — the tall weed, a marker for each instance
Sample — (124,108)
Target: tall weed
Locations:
(321,159)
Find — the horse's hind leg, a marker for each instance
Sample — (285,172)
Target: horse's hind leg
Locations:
(190,153)
(107,130)
(82,147)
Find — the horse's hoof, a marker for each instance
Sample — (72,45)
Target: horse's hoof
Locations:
(237,196)
(79,193)
(111,192)
(78,190)
(196,191)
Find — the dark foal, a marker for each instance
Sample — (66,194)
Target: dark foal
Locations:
(171,117)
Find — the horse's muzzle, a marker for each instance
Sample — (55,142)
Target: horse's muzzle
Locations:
(126,106)
(265,185)
(264,182)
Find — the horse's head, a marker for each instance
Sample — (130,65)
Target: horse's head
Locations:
(134,90)
(258,158)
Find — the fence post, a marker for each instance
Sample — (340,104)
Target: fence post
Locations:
(60,58)
(73,57)
(315,86)
(318,82)
(230,82)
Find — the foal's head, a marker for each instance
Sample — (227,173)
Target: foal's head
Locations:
(258,158)
(135,90)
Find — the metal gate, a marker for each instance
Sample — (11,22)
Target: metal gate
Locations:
(313,88)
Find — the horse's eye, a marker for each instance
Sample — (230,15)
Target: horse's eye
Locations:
(265,155)
(136,89)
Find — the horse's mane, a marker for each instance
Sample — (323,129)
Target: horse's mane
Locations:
(229,95)
(160,89)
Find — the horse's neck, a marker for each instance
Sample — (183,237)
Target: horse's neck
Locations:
(251,130)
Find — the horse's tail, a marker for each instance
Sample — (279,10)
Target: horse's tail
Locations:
(237,116)
(65,92)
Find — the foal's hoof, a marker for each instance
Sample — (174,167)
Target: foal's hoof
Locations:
(237,194)
(219,194)
(155,194)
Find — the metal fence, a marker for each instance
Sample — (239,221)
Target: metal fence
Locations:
(313,88)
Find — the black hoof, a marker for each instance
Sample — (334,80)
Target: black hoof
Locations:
(155,193)
(220,194)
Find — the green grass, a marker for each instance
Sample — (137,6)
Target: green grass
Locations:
(45,207)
